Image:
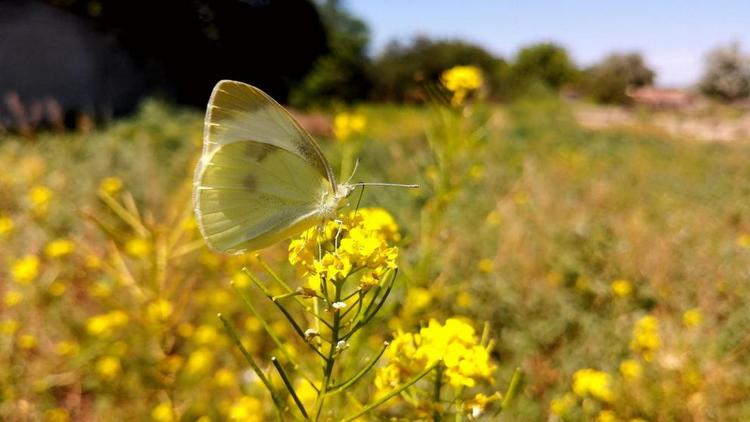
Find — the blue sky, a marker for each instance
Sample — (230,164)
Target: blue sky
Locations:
(673,35)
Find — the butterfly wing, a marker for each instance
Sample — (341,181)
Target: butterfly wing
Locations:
(261,177)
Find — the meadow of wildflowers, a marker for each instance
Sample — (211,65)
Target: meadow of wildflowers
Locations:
(610,267)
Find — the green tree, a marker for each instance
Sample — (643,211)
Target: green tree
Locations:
(401,71)
(341,74)
(609,80)
(727,74)
(545,64)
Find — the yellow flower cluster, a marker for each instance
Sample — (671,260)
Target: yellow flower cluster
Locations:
(631,369)
(646,338)
(622,288)
(59,248)
(108,367)
(348,125)
(105,324)
(692,318)
(358,242)
(454,344)
(6,225)
(461,80)
(110,185)
(39,196)
(590,382)
(138,247)
(26,269)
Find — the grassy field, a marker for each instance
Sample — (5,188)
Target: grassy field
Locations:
(611,266)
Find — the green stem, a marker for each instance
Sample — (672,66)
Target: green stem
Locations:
(331,360)
(436,414)
(287,315)
(289,386)
(513,388)
(251,361)
(265,325)
(390,395)
(346,384)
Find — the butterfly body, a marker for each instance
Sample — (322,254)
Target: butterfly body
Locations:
(261,177)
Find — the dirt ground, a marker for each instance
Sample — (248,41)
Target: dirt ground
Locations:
(698,124)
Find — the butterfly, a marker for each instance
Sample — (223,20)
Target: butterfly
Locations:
(261,177)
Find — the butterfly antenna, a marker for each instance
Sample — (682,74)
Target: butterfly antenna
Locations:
(356,165)
(396,185)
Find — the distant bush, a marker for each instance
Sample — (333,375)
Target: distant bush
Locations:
(727,74)
(341,74)
(401,70)
(608,81)
(544,65)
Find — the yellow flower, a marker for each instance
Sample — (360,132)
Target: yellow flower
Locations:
(59,248)
(631,369)
(606,416)
(163,412)
(743,241)
(454,344)
(246,409)
(26,269)
(159,310)
(27,342)
(560,406)
(105,324)
(110,185)
(138,247)
(57,414)
(39,196)
(6,225)
(12,298)
(417,298)
(241,279)
(460,81)
(590,382)
(622,288)
(199,361)
(477,405)
(108,367)
(692,317)
(9,327)
(348,125)
(486,265)
(224,378)
(205,334)
(362,247)
(645,339)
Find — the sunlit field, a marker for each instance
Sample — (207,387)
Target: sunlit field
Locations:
(610,266)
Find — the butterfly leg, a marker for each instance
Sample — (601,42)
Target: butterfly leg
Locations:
(320,236)
(338,233)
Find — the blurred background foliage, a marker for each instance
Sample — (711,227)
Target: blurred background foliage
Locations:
(313,53)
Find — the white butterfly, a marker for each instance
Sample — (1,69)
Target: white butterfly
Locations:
(261,177)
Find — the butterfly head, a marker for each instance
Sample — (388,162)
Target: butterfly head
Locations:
(331,203)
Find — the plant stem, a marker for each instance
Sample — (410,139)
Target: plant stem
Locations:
(436,414)
(328,369)
(289,386)
(251,361)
